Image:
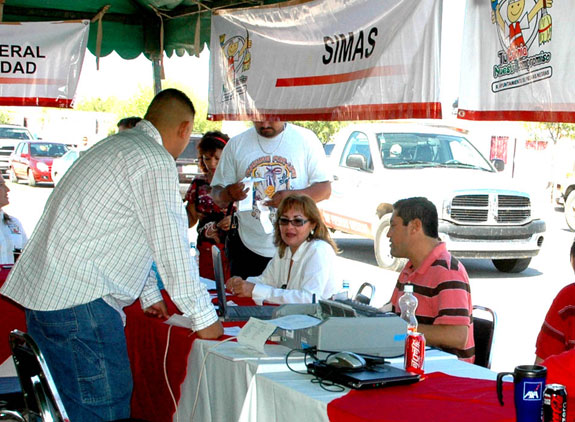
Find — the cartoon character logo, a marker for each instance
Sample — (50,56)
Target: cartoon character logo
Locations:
(236,52)
(519,23)
(519,27)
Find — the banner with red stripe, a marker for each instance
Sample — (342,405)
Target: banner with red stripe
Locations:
(40,62)
(517,61)
(326,60)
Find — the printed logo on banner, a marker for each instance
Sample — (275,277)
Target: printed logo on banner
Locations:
(532,390)
(521,61)
(236,51)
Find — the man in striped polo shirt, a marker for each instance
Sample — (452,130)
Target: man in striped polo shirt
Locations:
(440,281)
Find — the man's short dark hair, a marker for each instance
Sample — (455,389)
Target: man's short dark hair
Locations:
(129,122)
(167,95)
(418,208)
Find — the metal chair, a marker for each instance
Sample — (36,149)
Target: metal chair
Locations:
(40,394)
(483,334)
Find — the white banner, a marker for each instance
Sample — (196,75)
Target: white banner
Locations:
(40,62)
(517,61)
(326,60)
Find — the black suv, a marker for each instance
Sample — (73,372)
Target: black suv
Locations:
(187,162)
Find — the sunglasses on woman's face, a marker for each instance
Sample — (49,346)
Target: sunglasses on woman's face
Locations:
(296,222)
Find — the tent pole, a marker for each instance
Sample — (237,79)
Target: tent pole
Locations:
(157,68)
(2,9)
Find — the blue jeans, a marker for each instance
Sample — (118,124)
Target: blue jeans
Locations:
(85,349)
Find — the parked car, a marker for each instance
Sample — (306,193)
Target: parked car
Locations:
(10,135)
(481,213)
(61,164)
(32,160)
(187,162)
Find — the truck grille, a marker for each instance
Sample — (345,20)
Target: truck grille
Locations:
(490,209)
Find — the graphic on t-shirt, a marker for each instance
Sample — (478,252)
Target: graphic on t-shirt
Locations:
(277,174)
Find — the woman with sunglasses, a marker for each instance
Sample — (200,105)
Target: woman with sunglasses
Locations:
(213,221)
(304,264)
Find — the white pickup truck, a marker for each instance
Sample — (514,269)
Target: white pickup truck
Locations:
(10,135)
(481,214)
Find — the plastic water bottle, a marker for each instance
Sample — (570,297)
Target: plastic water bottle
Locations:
(345,289)
(408,305)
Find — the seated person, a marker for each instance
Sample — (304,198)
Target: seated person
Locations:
(304,263)
(12,235)
(558,331)
(439,281)
(561,370)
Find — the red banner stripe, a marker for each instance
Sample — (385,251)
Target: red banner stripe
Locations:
(32,81)
(372,72)
(35,101)
(521,115)
(430,110)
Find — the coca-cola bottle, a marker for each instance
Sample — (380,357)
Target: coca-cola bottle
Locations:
(408,305)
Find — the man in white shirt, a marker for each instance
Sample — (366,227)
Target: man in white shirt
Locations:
(283,159)
(114,211)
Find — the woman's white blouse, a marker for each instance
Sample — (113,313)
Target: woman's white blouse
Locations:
(313,272)
(12,236)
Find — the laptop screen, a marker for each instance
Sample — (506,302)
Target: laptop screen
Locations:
(220,280)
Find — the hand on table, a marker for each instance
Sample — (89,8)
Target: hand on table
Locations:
(157,310)
(239,287)
(211,331)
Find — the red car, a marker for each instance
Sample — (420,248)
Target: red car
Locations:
(32,160)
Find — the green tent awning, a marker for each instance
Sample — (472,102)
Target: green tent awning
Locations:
(132,27)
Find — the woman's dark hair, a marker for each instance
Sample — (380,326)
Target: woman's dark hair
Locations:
(309,209)
(209,144)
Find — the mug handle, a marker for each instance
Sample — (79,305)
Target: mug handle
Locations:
(500,385)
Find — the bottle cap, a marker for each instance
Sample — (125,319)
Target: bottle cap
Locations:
(408,288)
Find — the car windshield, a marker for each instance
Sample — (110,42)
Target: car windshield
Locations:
(14,133)
(429,150)
(47,150)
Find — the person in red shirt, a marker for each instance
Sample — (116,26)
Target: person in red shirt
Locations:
(440,281)
(557,333)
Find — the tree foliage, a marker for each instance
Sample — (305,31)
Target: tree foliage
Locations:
(554,130)
(138,104)
(5,117)
(323,130)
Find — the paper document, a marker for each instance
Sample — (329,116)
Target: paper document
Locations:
(255,334)
(179,321)
(247,203)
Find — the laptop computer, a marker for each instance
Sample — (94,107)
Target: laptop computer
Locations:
(234,313)
(376,376)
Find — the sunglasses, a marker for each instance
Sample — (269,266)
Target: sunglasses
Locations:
(296,222)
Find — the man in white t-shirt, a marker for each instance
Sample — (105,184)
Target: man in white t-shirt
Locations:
(283,159)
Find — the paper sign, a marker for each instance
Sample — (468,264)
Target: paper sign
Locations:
(326,60)
(40,62)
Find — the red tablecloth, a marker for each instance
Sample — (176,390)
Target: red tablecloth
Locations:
(447,397)
(11,317)
(146,338)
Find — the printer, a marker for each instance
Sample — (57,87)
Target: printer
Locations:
(342,329)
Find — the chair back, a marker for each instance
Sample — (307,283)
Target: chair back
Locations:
(483,334)
(40,394)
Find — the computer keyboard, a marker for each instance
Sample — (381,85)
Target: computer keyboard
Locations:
(350,308)
(362,309)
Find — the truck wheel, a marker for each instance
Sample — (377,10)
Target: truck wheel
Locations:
(570,210)
(511,265)
(31,180)
(381,246)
